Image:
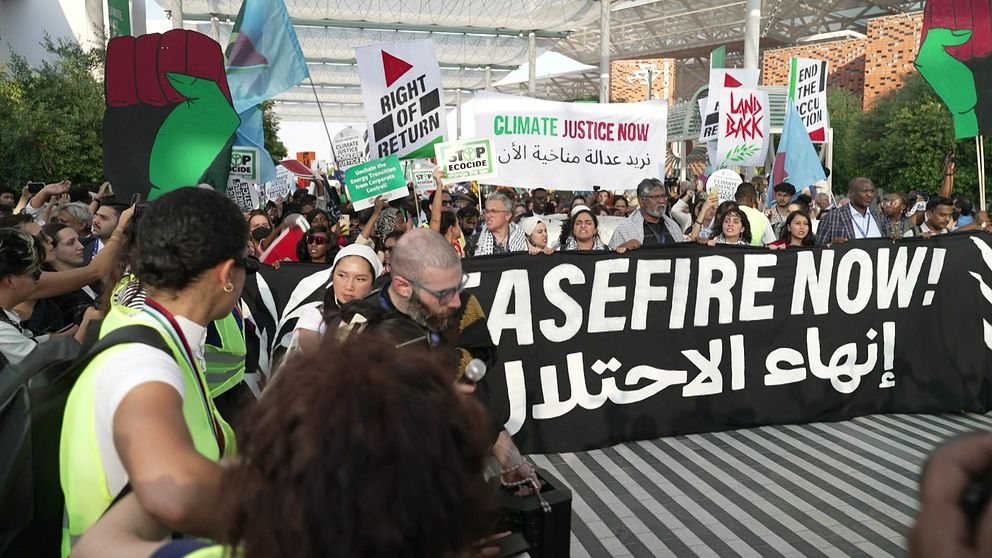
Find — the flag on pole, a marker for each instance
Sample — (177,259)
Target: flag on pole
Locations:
(796,160)
(264,59)
(718,58)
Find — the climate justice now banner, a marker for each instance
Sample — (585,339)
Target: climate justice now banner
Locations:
(572,146)
(600,348)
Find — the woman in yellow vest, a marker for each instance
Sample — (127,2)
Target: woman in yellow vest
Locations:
(337,463)
(139,419)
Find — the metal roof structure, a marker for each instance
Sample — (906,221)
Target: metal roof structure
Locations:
(478,42)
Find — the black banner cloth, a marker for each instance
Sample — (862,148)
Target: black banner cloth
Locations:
(600,348)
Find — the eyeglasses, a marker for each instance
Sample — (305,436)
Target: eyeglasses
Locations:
(657,197)
(495,211)
(443,296)
(318,240)
(251,263)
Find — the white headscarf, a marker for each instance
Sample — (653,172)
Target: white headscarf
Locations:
(361,251)
(528,224)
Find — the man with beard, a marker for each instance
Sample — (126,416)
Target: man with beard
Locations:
(648,225)
(425,287)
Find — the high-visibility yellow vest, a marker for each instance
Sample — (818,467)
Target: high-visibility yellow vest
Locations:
(225,353)
(81,471)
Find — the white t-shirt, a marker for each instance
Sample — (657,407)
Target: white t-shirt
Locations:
(16,344)
(311,319)
(135,364)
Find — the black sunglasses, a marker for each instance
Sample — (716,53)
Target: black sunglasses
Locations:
(250,263)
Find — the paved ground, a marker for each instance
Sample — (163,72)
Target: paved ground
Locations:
(824,489)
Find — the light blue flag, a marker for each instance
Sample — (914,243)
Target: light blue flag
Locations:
(250,134)
(796,160)
(264,57)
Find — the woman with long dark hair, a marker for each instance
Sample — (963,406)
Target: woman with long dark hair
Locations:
(797,231)
(318,245)
(581,231)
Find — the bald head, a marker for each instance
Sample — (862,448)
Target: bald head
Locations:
(422,249)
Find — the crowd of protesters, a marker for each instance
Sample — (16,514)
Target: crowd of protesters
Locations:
(142,444)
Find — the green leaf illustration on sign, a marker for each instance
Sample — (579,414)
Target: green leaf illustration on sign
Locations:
(743,152)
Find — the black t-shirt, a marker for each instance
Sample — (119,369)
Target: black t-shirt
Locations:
(656,234)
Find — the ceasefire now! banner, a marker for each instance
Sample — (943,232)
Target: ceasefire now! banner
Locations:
(572,146)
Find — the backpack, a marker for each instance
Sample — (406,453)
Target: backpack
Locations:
(33,396)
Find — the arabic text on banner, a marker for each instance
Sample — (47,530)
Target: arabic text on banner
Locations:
(572,146)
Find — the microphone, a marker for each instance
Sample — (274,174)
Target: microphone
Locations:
(475,370)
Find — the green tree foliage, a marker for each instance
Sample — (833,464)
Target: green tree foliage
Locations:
(270,127)
(900,143)
(51,117)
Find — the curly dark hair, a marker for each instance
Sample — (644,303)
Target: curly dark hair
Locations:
(731,208)
(368,451)
(184,233)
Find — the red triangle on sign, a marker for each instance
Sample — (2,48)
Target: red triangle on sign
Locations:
(818,134)
(728,81)
(393,67)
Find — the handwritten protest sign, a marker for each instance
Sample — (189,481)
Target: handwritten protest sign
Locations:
(466,160)
(572,146)
(381,177)
(720,80)
(808,89)
(744,133)
(404,102)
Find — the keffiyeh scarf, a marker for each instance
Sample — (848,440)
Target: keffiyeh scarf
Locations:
(516,242)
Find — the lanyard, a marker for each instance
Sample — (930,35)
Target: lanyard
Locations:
(165,318)
(660,234)
(855,217)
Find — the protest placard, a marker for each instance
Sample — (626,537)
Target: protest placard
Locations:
(381,177)
(404,102)
(726,182)
(744,132)
(423,180)
(243,192)
(244,162)
(721,79)
(283,184)
(808,89)
(572,146)
(466,160)
(349,148)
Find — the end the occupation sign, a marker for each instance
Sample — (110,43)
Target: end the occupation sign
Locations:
(404,102)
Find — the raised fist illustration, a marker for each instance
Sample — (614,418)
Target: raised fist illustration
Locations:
(169,113)
(954,58)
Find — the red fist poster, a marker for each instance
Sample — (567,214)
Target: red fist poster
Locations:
(169,121)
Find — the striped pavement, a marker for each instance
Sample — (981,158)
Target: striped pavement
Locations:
(824,489)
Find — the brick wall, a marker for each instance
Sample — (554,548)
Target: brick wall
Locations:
(629,82)
(845,63)
(869,68)
(893,42)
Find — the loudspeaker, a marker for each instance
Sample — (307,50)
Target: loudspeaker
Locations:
(548,534)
